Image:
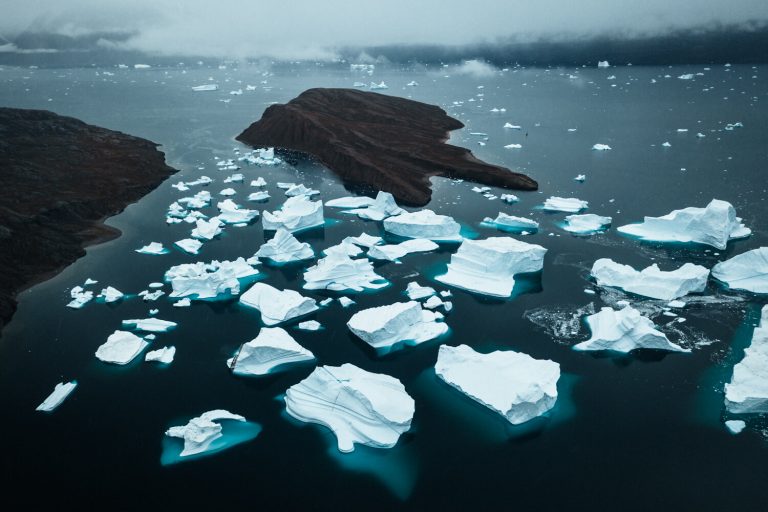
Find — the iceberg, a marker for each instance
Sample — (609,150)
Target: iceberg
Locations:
(59,394)
(747,271)
(262,195)
(747,392)
(206,87)
(513,146)
(651,282)
(200,432)
(586,224)
(624,331)
(164,355)
(345,302)
(121,348)
(301,190)
(511,223)
(382,207)
(488,266)
(80,297)
(259,182)
(272,349)
(359,407)
(189,245)
(714,225)
(364,240)
(509,198)
(424,224)
(208,280)
(285,248)
(310,325)
(735,426)
(565,204)
(155,248)
(228,192)
(351,202)
(110,294)
(297,213)
(207,229)
(510,383)
(339,272)
(603,64)
(150,324)
(231,213)
(416,292)
(601,147)
(402,322)
(396,251)
(277,306)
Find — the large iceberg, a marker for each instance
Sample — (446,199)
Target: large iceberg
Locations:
(488,266)
(208,280)
(565,204)
(121,348)
(297,213)
(339,272)
(511,223)
(272,349)
(747,271)
(285,248)
(361,407)
(714,225)
(277,306)
(378,209)
(511,383)
(424,224)
(394,252)
(586,224)
(59,394)
(623,331)
(651,282)
(402,322)
(200,432)
(747,392)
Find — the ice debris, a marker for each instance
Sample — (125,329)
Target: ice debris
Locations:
(110,294)
(208,280)
(394,252)
(511,223)
(339,272)
(150,324)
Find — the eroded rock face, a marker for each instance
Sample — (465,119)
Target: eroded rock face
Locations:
(383,142)
(60,178)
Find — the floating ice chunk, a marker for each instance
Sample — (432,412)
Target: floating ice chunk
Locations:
(141,66)
(272,349)
(380,85)
(208,280)
(735,426)
(511,126)
(259,182)
(89,281)
(714,225)
(509,198)
(667,145)
(228,192)
(747,271)
(687,76)
(364,240)
(206,87)
(297,213)
(601,147)
(285,186)
(153,248)
(417,292)
(189,245)
(424,224)
(651,282)
(164,355)
(580,178)
(310,325)
(488,266)
(121,348)
(565,204)
(412,83)
(360,407)
(345,302)
(207,229)
(351,202)
(510,383)
(401,322)
(200,432)
(148,296)
(183,303)
(234,178)
(747,392)
(150,324)
(623,331)
(277,306)
(339,272)
(59,394)
(262,195)
(603,64)
(511,223)
(110,294)
(513,146)
(231,213)
(481,190)
(80,297)
(301,190)
(326,301)
(433,302)
(586,224)
(199,200)
(382,207)
(285,248)
(396,251)
(731,126)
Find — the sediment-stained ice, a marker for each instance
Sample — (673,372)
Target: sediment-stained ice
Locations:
(277,306)
(121,348)
(746,271)
(271,350)
(401,322)
(424,224)
(651,282)
(623,331)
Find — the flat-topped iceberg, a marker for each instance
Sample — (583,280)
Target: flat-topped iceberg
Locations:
(401,322)
(121,348)
(231,213)
(489,266)
(511,223)
(150,324)
(208,280)
(747,392)
(155,248)
(59,394)
(394,252)
(624,331)
(189,245)
(164,355)
(651,282)
(297,213)
(565,204)
(586,224)
(339,272)
(510,383)
(277,306)
(271,350)
(378,209)
(416,292)
(285,248)
(424,224)
(359,407)
(200,432)
(747,271)
(714,225)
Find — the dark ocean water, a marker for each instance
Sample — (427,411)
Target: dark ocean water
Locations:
(630,432)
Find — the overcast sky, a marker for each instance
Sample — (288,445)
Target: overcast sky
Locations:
(313,28)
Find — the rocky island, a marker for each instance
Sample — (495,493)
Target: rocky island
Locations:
(381,142)
(60,179)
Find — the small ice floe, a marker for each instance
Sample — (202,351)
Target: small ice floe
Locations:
(378,209)
(424,224)
(201,432)
(189,245)
(236,92)
(59,394)
(682,130)
(351,202)
(208,280)
(735,426)
(700,135)
(651,282)
(603,64)
(601,147)
(272,350)
(418,292)
(359,407)
(110,294)
(364,240)
(513,384)
(277,306)
(385,327)
(746,271)
(259,182)
(234,178)
(587,224)
(339,272)
(345,302)
(624,331)
(511,223)
(488,266)
(481,190)
(150,324)
(199,200)
(206,87)
(509,198)
(730,126)
(747,392)
(343,249)
(263,157)
(381,85)
(228,192)
(80,297)
(301,190)
(394,252)
(121,348)
(261,195)
(148,296)
(164,355)
(565,204)
(580,178)
(231,213)
(297,213)
(359,84)
(310,325)
(513,146)
(155,248)
(511,126)
(412,83)
(285,248)
(141,66)
(666,145)
(687,76)
(207,229)
(714,225)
